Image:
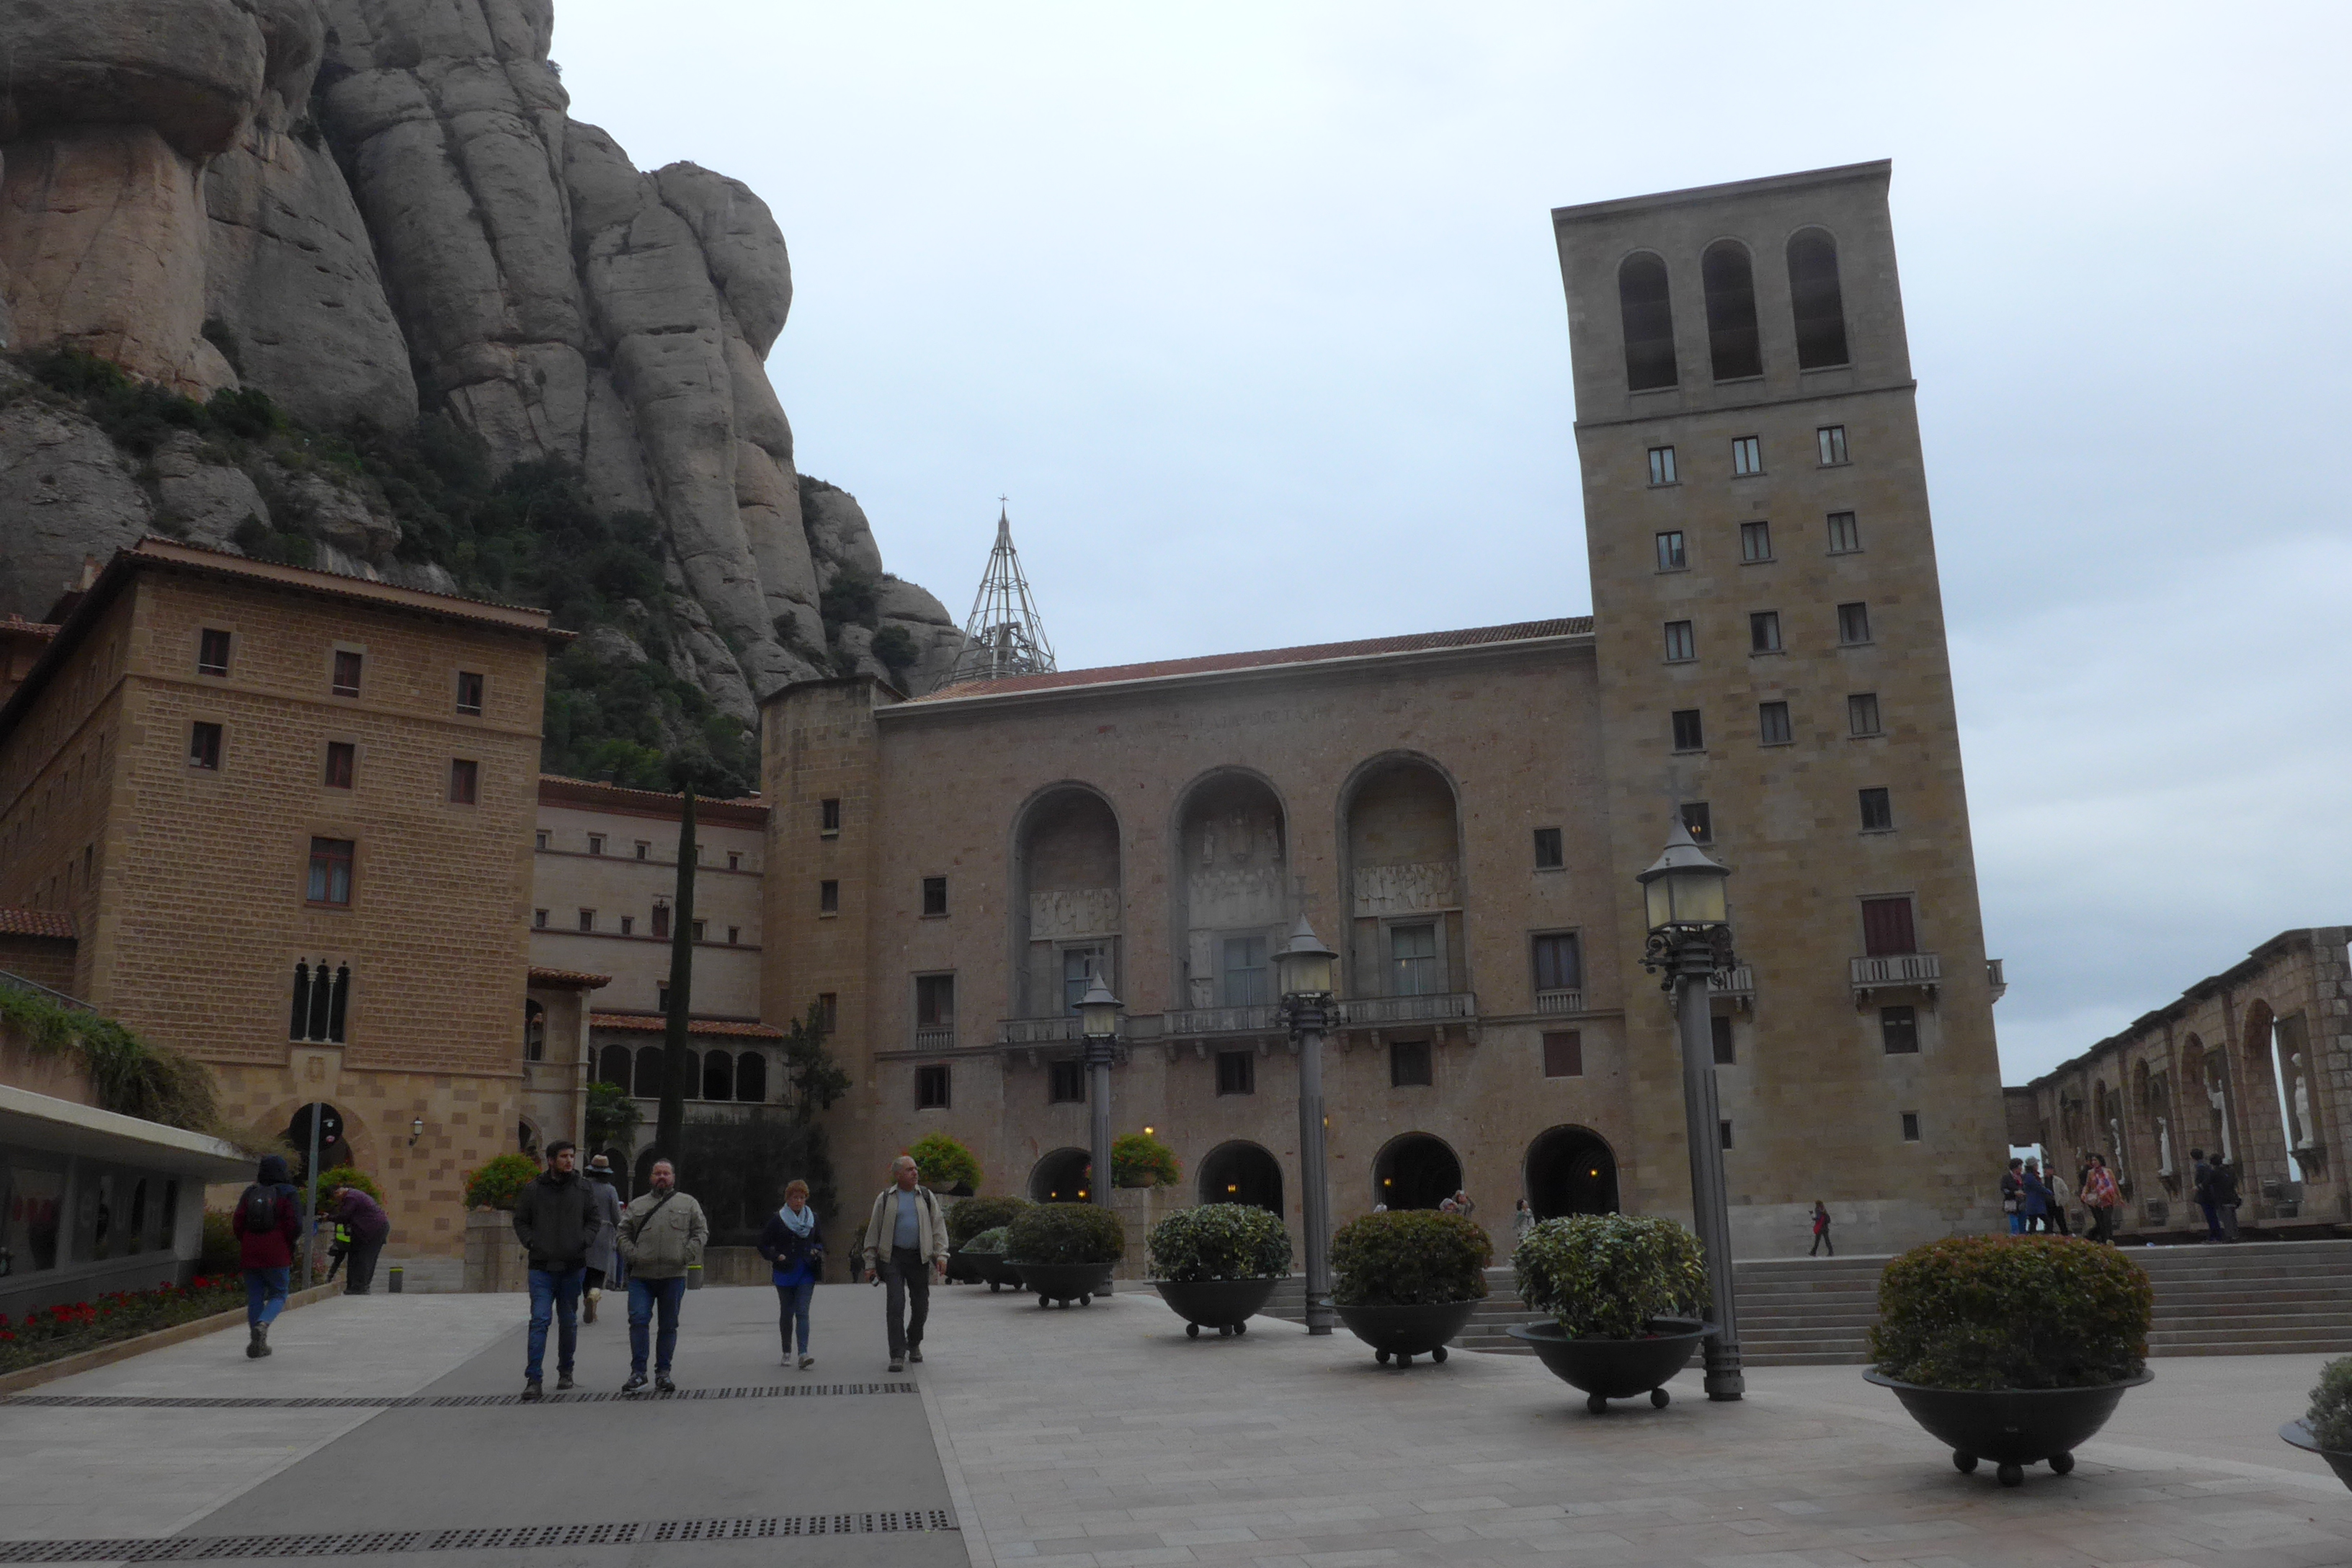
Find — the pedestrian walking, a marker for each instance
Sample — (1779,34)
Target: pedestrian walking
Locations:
(267,1223)
(603,1247)
(1460,1202)
(2037,1198)
(555,1218)
(360,1221)
(2201,1176)
(2100,1196)
(794,1243)
(2012,1197)
(2225,1197)
(662,1235)
(1523,1220)
(2061,1194)
(904,1242)
(1822,1229)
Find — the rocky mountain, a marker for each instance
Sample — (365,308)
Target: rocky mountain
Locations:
(380,214)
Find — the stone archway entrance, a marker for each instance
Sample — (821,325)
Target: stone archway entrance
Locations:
(1061,1177)
(1241,1173)
(1415,1171)
(1571,1170)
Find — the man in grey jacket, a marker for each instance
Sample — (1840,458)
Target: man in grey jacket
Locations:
(905,1241)
(662,1234)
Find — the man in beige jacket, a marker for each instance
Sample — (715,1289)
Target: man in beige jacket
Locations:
(662,1235)
(905,1241)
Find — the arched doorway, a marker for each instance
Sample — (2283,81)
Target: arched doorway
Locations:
(1241,1173)
(1061,1177)
(1415,1171)
(1571,1170)
(332,1150)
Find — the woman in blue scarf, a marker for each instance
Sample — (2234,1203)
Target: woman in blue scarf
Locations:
(794,1243)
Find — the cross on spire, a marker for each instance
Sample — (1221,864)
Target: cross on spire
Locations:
(1003,636)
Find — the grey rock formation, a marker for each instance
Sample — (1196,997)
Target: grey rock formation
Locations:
(65,494)
(201,500)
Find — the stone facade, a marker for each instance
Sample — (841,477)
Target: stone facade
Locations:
(2255,1061)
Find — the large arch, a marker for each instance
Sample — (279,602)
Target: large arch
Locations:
(612,1065)
(1061,1177)
(535,1030)
(1241,1171)
(751,1076)
(1571,1170)
(1728,276)
(650,1061)
(1231,900)
(1400,822)
(1817,300)
(1415,1171)
(1645,306)
(1067,905)
(718,1075)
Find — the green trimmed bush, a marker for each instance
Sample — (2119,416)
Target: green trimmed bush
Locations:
(223,1254)
(1605,1275)
(1219,1241)
(2021,1311)
(1408,1257)
(345,1176)
(498,1184)
(1140,1160)
(943,1164)
(972,1215)
(1065,1233)
(988,1241)
(2330,1416)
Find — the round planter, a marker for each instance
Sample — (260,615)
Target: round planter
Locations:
(963,1267)
(2013,1427)
(2296,1433)
(1616,1369)
(1064,1282)
(999,1274)
(1224,1305)
(1401,1333)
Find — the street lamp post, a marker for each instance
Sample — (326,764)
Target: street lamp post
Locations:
(1308,973)
(1098,1024)
(1690,939)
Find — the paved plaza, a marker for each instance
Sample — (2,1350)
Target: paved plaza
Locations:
(1102,1438)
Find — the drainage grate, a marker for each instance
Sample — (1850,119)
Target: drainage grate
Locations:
(508,1538)
(433,1401)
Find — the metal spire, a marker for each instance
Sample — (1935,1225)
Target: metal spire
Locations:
(1003,637)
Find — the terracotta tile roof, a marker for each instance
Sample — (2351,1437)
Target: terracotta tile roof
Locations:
(17,625)
(52,924)
(652,1024)
(1312,653)
(554,789)
(579,978)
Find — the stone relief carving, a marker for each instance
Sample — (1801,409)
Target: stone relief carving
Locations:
(1231,897)
(1404,890)
(1059,913)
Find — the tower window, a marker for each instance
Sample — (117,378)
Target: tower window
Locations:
(595,844)
(935,895)
(1772,723)
(628,925)
(828,897)
(1409,1066)
(1764,632)
(1549,856)
(1729,279)
(701,931)
(1747,455)
(1558,965)
(734,936)
(1645,305)
(1831,439)
(469,692)
(1887,930)
(1877,811)
(1816,299)
(828,816)
(538,919)
(347,673)
(1662,465)
(587,920)
(1681,645)
(537,840)
(1898,1030)
(1699,821)
(212,652)
(1845,534)
(1066,1083)
(734,860)
(1563,1054)
(343,761)
(1688,735)
(931,1087)
(828,1011)
(465,781)
(1237,1072)
(644,849)
(1755,542)
(1853,623)
(1861,713)
(1725,1128)
(661,919)
(1670,552)
(935,1000)
(204,746)
(331,872)
(1725,1054)
(1910,1127)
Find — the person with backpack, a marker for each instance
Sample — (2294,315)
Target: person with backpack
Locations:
(793,1242)
(362,1228)
(555,1218)
(905,1240)
(1822,1229)
(662,1234)
(267,1222)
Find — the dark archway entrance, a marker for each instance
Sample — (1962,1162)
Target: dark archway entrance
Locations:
(1061,1178)
(1415,1172)
(332,1150)
(1571,1170)
(1241,1172)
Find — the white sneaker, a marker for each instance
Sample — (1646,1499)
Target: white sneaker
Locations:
(807,1362)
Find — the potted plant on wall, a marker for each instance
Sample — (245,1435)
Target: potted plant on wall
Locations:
(968,1219)
(1626,1293)
(2013,1349)
(1404,1282)
(1216,1265)
(2326,1428)
(1065,1251)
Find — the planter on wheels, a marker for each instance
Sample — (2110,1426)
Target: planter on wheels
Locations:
(1401,1333)
(964,1267)
(999,1274)
(1616,1369)
(2013,1427)
(1224,1305)
(1064,1282)
(2296,1433)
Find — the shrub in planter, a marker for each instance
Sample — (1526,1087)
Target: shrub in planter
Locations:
(1606,1275)
(944,1164)
(2329,1420)
(1140,1160)
(345,1176)
(973,1216)
(499,1183)
(1219,1241)
(988,1241)
(1408,1257)
(2034,1311)
(1065,1233)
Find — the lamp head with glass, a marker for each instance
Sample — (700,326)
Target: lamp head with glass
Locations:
(1684,887)
(1305,968)
(1098,1012)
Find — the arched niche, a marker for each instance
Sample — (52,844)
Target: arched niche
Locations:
(614,1066)
(718,1075)
(751,1076)
(1728,276)
(1241,1173)
(1645,307)
(1061,1177)
(1570,1171)
(1415,1171)
(534,1031)
(1231,891)
(1066,904)
(1402,828)
(1817,300)
(2207,1093)
(650,1060)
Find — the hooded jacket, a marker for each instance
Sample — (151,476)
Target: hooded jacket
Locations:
(555,1216)
(271,1248)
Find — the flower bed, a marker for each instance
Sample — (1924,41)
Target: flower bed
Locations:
(54,1333)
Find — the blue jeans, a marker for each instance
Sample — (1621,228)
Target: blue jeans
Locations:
(2017,1225)
(643,1295)
(265,1295)
(792,1308)
(555,1293)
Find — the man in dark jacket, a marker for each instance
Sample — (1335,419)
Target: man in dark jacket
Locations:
(361,1215)
(2200,1177)
(555,1216)
(2224,1187)
(267,1223)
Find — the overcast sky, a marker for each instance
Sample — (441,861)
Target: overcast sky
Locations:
(1254,312)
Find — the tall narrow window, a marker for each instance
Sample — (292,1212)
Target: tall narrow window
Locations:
(465,781)
(538,919)
(347,673)
(204,746)
(587,920)
(470,691)
(628,925)
(342,758)
(1066,1083)
(661,919)
(1558,965)
(1747,455)
(1725,1054)
(595,844)
(1898,1030)
(1772,723)
(935,895)
(1671,557)
(212,652)
(1845,534)
(1831,440)
(1662,465)
(1725,1128)
(1688,735)
(1754,542)
(322,1003)
(931,1087)
(331,872)
(828,897)
(734,860)
(1699,821)
(701,929)
(540,838)
(298,1027)
(1877,811)
(1729,279)
(1245,977)
(1886,929)
(828,816)
(1415,967)
(935,1002)
(1910,1127)
(1861,713)
(828,1011)
(1645,305)
(1764,632)
(1853,623)
(1549,856)
(1816,299)
(1563,1054)
(1079,967)
(1681,643)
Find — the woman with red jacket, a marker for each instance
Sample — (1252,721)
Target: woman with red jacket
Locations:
(267,1222)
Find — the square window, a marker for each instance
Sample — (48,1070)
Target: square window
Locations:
(1726,1127)
(1409,1065)
(587,920)
(1066,1083)
(628,925)
(595,844)
(204,746)
(931,1087)
(701,928)
(469,692)
(1832,441)
(1671,557)
(1719,1026)
(644,850)
(661,919)
(1910,1127)
(539,839)
(1699,821)
(1861,713)
(1886,928)
(1662,465)
(1853,623)
(734,936)
(1845,534)
(934,1001)
(1681,643)
(1877,811)
(538,919)
(1237,1072)
(828,815)
(1755,542)
(935,895)
(212,652)
(1772,723)
(1747,455)
(1558,963)
(828,1011)
(1080,964)
(1688,736)
(1898,1030)
(734,860)
(331,872)
(1549,856)
(1563,1054)
(347,673)
(1764,632)
(465,781)
(828,897)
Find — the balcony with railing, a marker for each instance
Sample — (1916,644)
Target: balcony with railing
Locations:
(1193,1023)
(1560,1001)
(1996,980)
(1893,971)
(935,1037)
(1377,1012)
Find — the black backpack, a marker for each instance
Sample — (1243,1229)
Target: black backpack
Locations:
(259,1207)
